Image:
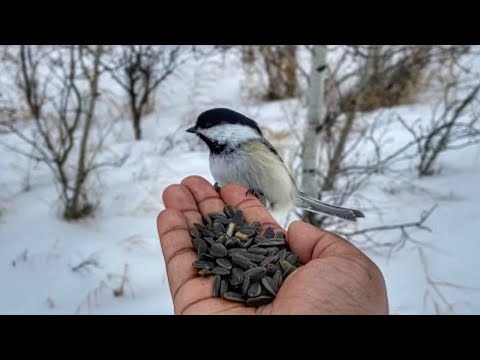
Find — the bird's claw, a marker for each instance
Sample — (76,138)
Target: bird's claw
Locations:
(217,187)
(258,194)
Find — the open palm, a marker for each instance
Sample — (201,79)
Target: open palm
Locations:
(335,278)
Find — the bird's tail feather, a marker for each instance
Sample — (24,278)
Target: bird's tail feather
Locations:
(316,206)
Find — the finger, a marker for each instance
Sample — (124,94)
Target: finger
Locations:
(180,197)
(177,249)
(206,197)
(253,210)
(186,286)
(310,242)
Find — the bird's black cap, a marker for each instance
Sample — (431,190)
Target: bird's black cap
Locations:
(218,116)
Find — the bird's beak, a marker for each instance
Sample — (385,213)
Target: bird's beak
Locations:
(193,130)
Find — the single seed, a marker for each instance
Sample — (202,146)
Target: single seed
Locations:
(236,251)
(236,277)
(218,250)
(254,290)
(225,263)
(205,272)
(281,254)
(276,242)
(238,218)
(247,243)
(230,229)
(272,251)
(267,283)
(197,242)
(245,285)
(201,264)
(202,249)
(216,285)
(241,235)
(272,269)
(208,220)
(259,300)
(242,262)
(293,259)
(254,257)
(280,235)
(194,232)
(218,227)
(220,271)
(269,233)
(209,240)
(208,233)
(258,251)
(223,287)
(233,296)
(200,227)
(259,239)
(256,273)
(268,260)
(277,280)
(229,211)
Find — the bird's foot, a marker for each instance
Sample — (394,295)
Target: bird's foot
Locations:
(217,187)
(258,194)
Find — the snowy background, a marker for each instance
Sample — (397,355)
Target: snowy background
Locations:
(41,254)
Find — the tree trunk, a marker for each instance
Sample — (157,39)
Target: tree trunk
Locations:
(310,184)
(368,71)
(136,127)
(76,208)
(281,68)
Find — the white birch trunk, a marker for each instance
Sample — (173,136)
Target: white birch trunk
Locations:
(310,184)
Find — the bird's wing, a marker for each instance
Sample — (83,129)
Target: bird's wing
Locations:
(273,150)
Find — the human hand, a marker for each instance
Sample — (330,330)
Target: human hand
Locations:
(335,276)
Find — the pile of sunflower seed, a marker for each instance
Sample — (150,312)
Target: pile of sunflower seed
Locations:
(247,266)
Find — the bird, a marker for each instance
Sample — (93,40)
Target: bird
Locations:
(239,153)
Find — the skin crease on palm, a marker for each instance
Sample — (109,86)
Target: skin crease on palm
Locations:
(335,276)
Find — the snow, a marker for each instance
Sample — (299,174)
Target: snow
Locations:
(39,249)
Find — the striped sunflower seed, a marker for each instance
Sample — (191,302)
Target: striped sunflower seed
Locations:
(269,259)
(218,270)
(216,285)
(197,242)
(256,273)
(238,218)
(258,251)
(277,280)
(223,287)
(272,250)
(201,264)
(254,257)
(236,277)
(218,227)
(229,211)
(209,240)
(269,233)
(267,283)
(247,243)
(254,290)
(233,296)
(218,250)
(245,285)
(259,300)
(205,272)
(293,259)
(242,262)
(225,263)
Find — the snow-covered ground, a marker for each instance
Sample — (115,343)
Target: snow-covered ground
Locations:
(39,252)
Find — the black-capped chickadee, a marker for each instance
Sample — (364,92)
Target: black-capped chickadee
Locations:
(240,154)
